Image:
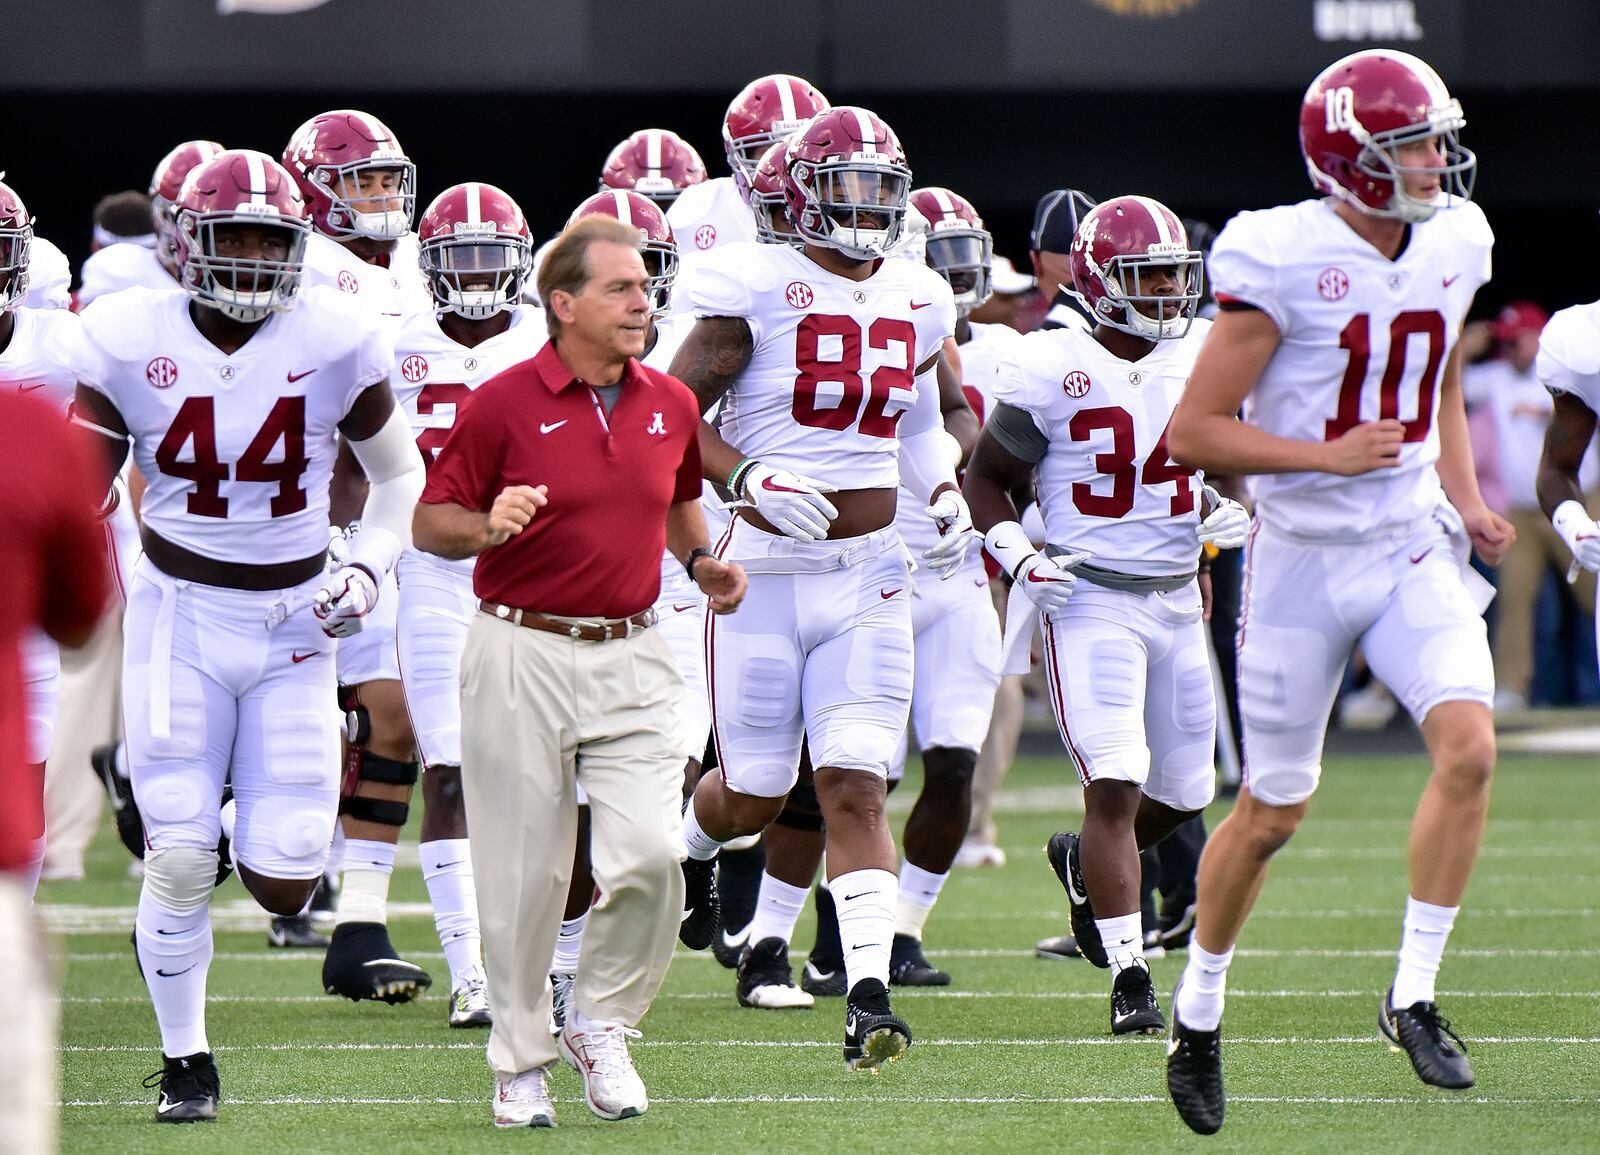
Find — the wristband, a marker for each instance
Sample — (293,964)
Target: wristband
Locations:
(740,472)
(694,555)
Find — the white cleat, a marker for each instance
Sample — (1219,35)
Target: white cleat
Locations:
(469,1003)
(523,1100)
(974,854)
(610,1084)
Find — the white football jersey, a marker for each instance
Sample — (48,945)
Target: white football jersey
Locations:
(237,449)
(1362,338)
(49,277)
(982,359)
(393,292)
(706,218)
(46,355)
(121,266)
(835,360)
(1569,354)
(1106,484)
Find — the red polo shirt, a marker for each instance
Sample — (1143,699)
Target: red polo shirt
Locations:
(595,549)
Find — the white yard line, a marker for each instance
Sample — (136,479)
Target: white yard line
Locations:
(875,1098)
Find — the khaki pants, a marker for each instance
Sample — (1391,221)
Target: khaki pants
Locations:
(90,715)
(539,714)
(995,758)
(27,1029)
(1538,547)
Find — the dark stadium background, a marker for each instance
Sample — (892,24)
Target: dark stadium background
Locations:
(1207,154)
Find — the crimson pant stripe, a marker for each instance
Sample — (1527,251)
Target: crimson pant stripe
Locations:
(711,657)
(1053,676)
(1238,652)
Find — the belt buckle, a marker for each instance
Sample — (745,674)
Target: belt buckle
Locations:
(502,612)
(575,632)
(607,636)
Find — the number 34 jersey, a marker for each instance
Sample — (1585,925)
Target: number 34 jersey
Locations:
(834,365)
(1106,484)
(1362,338)
(237,448)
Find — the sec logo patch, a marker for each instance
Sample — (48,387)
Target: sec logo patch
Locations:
(414,368)
(1332,284)
(1076,384)
(162,372)
(799,295)
(348,282)
(705,236)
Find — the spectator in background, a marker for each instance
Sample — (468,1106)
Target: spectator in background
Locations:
(1515,410)
(122,252)
(1055,220)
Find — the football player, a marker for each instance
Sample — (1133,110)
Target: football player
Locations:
(826,356)
(360,191)
(1118,582)
(233,400)
(656,163)
(1337,335)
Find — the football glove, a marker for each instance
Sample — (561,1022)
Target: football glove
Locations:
(346,597)
(794,505)
(956,534)
(1228,523)
(1580,533)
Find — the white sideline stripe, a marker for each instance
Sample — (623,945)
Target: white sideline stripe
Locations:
(972,1100)
(808,1044)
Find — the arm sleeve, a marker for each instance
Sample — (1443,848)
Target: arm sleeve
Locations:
(394,472)
(1018,433)
(1244,270)
(925,459)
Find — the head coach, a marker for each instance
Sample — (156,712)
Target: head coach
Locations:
(567,475)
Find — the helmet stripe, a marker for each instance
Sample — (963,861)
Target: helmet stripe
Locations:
(474,205)
(624,210)
(1158,214)
(257,175)
(652,149)
(947,207)
(868,136)
(786,100)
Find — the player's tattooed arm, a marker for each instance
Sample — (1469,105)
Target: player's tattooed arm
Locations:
(100,422)
(711,357)
(1566,441)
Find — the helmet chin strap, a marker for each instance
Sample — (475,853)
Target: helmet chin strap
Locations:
(385,226)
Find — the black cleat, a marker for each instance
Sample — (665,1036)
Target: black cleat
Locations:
(1062,851)
(362,965)
(1177,922)
(1063,947)
(1194,1075)
(1134,1009)
(190,1089)
(702,912)
(765,979)
(873,1033)
(825,980)
(1437,1052)
(130,828)
(294,932)
(726,948)
(909,967)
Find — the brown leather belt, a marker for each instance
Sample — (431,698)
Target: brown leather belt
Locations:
(578,629)
(186,565)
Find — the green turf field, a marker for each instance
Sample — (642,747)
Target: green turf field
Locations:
(1016,1056)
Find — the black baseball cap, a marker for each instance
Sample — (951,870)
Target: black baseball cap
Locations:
(1055,219)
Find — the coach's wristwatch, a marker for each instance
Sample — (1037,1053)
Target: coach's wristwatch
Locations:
(694,555)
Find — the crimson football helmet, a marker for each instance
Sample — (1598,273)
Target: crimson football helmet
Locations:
(477,251)
(16,243)
(959,248)
(1119,247)
(767,196)
(848,183)
(240,188)
(328,154)
(1356,116)
(656,162)
(765,111)
(656,243)
(165,185)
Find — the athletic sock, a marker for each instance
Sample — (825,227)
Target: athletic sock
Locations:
(364,896)
(175,954)
(569,945)
(865,901)
(778,907)
(447,870)
(827,952)
(1205,979)
(1123,938)
(738,884)
(1422,942)
(696,842)
(919,890)
(335,863)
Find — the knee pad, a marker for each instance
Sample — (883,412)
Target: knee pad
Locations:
(949,765)
(365,766)
(357,722)
(180,878)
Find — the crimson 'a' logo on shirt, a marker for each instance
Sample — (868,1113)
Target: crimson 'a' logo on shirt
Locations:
(414,368)
(1332,284)
(162,372)
(705,236)
(1076,383)
(348,281)
(799,295)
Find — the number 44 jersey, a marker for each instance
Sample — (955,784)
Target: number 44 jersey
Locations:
(1363,337)
(835,360)
(237,449)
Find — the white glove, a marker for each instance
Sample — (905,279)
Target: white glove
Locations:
(795,505)
(1048,582)
(1227,525)
(1580,533)
(956,534)
(338,548)
(346,597)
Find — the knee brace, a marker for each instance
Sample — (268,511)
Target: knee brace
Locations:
(365,766)
(801,810)
(357,722)
(180,878)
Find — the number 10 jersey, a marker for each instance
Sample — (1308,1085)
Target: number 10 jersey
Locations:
(1363,337)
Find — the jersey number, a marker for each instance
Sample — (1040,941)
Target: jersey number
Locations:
(1357,340)
(1120,465)
(195,422)
(874,419)
(434,394)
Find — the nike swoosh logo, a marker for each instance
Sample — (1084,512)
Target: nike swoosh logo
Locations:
(1126,942)
(729,940)
(920,305)
(1422,555)
(677,609)
(1034,577)
(168,932)
(448,865)
(298,657)
(293,377)
(32,388)
(887,594)
(767,484)
(853,897)
(1077,896)
(554,425)
(175,974)
(1448,281)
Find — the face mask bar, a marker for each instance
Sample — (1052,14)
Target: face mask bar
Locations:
(862,206)
(1168,317)
(661,266)
(15,246)
(458,271)
(965,258)
(345,220)
(1380,159)
(215,281)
